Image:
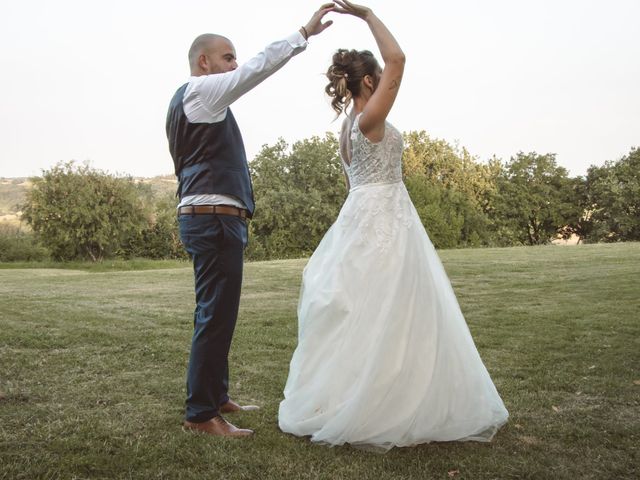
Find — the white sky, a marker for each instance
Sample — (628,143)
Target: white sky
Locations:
(88,80)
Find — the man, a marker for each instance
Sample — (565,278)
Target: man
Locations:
(216,199)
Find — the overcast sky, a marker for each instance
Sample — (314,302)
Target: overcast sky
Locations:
(85,80)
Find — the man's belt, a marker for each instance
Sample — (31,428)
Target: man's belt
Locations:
(213,210)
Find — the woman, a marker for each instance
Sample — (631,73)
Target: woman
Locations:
(384,355)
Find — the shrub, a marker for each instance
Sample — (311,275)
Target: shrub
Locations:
(17,245)
(81,213)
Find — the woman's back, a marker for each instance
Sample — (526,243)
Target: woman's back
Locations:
(367,162)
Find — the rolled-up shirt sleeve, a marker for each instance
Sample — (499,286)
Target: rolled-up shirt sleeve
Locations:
(208,96)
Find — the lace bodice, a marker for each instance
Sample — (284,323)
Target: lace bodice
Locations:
(375,162)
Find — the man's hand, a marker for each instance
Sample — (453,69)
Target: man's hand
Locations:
(345,6)
(315,25)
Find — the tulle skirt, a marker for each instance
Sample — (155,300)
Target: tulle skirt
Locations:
(384,356)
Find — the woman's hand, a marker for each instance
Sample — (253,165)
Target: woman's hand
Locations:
(345,6)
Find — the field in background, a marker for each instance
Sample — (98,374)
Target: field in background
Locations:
(92,370)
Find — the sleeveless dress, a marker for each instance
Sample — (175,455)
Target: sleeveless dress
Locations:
(384,356)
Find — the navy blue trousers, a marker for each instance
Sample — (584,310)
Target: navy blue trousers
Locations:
(216,245)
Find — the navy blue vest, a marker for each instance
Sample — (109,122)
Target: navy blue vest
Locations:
(208,157)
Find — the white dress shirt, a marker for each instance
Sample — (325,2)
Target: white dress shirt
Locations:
(208,97)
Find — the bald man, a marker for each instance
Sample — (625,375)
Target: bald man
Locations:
(216,200)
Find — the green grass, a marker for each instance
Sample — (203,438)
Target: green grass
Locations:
(112,265)
(92,370)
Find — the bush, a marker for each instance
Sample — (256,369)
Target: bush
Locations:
(17,245)
(450,218)
(81,213)
(299,192)
(160,239)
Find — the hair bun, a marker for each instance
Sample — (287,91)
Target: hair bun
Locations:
(344,57)
(347,69)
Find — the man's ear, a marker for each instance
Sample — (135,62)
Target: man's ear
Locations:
(203,63)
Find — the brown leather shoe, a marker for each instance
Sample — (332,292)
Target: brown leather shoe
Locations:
(217,426)
(232,407)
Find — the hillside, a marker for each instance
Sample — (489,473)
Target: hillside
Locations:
(13,191)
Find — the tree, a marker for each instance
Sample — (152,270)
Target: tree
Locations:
(612,200)
(452,191)
(450,166)
(299,192)
(160,238)
(78,212)
(438,212)
(536,199)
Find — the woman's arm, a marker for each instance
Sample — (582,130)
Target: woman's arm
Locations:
(377,108)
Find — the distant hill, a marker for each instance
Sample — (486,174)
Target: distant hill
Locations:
(161,185)
(13,191)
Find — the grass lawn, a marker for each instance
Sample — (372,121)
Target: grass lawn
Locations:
(92,372)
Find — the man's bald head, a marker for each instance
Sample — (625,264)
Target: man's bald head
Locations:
(203,44)
(211,53)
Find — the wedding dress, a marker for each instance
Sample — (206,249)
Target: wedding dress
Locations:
(384,356)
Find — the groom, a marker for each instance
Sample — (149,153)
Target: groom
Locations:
(216,201)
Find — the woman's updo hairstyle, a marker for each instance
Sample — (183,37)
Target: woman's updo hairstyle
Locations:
(345,74)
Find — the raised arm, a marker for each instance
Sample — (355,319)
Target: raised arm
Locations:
(220,86)
(377,108)
(315,25)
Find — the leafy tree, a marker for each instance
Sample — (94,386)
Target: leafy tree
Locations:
(452,191)
(160,238)
(437,210)
(78,212)
(612,200)
(536,199)
(299,192)
(450,166)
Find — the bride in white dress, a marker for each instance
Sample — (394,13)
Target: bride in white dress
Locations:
(384,356)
